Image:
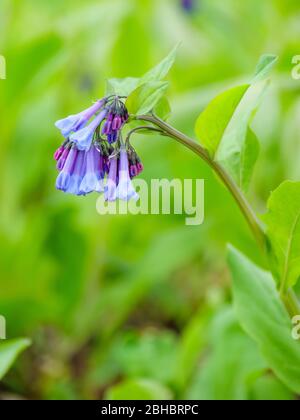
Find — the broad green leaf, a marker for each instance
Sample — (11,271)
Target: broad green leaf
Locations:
(121,87)
(161,70)
(223,126)
(212,123)
(269,388)
(233,358)
(9,351)
(265,66)
(146,97)
(264,317)
(283,229)
(163,109)
(192,344)
(139,389)
(249,156)
(124,87)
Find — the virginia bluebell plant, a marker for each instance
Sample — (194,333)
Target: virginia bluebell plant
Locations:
(94,156)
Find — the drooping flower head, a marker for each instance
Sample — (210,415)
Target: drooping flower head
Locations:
(116,118)
(93,156)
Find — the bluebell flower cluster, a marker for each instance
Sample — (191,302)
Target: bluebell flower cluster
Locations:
(93,156)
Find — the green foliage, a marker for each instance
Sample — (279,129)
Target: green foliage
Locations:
(145,92)
(163,109)
(249,156)
(213,121)
(268,388)
(223,126)
(121,87)
(234,359)
(96,294)
(9,351)
(283,224)
(264,317)
(150,90)
(140,389)
(145,98)
(162,69)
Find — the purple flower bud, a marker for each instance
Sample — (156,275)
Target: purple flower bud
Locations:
(111,185)
(112,138)
(84,137)
(62,160)
(140,168)
(76,122)
(110,117)
(58,153)
(133,171)
(125,190)
(106,127)
(117,123)
(106,165)
(64,177)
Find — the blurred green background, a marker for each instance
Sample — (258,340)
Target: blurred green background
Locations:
(133,306)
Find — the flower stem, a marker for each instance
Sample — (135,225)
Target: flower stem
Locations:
(290,299)
(219,170)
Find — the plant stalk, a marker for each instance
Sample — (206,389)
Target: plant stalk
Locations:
(290,299)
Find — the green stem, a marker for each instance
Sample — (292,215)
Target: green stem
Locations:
(223,175)
(290,299)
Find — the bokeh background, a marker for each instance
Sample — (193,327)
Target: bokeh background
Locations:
(133,306)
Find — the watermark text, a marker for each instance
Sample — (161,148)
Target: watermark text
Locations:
(2,328)
(296,329)
(296,68)
(162,196)
(2,67)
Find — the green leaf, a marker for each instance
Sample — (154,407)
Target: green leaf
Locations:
(139,389)
(161,70)
(264,317)
(192,343)
(121,87)
(233,358)
(249,156)
(163,109)
(146,97)
(223,126)
(9,351)
(268,388)
(124,87)
(265,66)
(283,230)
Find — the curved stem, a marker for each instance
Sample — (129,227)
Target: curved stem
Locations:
(290,299)
(219,170)
(141,128)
